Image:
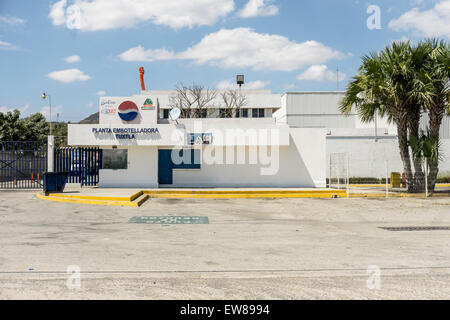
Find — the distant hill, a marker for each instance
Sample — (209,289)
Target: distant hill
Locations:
(92,119)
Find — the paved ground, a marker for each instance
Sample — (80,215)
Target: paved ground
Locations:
(252,249)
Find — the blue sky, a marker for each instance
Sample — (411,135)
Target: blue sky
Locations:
(282,45)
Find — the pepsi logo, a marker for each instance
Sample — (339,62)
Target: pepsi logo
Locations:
(128,111)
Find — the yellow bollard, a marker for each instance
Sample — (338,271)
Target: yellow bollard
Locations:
(395,180)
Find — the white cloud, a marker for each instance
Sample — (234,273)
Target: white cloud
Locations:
(244,48)
(57,13)
(140,54)
(289,86)
(320,73)
(402,39)
(253,85)
(8,46)
(23,109)
(112,14)
(101,93)
(72,59)
(255,8)
(55,110)
(68,75)
(13,21)
(434,22)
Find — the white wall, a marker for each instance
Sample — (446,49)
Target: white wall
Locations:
(317,109)
(301,164)
(368,158)
(349,134)
(142,170)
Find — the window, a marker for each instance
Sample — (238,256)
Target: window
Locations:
(188,158)
(115,159)
(166,114)
(222,113)
(203,113)
(261,113)
(258,113)
(244,113)
(238,113)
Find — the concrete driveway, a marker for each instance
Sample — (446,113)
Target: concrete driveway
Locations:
(251,249)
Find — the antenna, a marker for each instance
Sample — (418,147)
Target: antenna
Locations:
(337,77)
(141,74)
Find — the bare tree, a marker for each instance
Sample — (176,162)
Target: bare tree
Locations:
(193,101)
(233,101)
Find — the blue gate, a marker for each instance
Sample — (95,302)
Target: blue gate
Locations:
(22,164)
(83,164)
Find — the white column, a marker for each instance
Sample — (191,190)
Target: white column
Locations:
(50,153)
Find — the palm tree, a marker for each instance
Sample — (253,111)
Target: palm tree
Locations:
(383,85)
(432,90)
(402,82)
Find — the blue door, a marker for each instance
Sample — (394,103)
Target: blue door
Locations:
(165,167)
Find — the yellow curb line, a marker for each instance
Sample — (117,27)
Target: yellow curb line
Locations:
(95,202)
(246,196)
(397,195)
(243,192)
(82,197)
(438,185)
(218,194)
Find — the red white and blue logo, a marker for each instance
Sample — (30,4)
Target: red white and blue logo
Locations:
(128,111)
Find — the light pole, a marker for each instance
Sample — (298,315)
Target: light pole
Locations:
(44,96)
(240,80)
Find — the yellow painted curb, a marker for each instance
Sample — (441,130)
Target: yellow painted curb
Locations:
(95,202)
(398,195)
(438,185)
(244,192)
(247,196)
(82,197)
(368,186)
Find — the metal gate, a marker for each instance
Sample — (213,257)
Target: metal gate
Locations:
(83,164)
(22,164)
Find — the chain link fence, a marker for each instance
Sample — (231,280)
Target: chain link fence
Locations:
(365,176)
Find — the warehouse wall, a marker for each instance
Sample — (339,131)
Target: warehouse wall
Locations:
(301,164)
(349,134)
(367,158)
(142,170)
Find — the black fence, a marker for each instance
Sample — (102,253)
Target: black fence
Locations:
(83,164)
(22,164)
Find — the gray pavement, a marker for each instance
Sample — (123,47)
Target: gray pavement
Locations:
(251,249)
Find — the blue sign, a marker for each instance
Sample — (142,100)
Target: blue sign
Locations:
(199,138)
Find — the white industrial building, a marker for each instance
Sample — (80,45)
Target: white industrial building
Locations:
(273,141)
(372,147)
(142,146)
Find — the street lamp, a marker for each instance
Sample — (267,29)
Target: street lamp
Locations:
(44,96)
(240,80)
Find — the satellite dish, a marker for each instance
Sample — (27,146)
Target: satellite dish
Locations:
(174,114)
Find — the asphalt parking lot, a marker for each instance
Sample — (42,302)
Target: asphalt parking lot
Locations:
(250,249)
